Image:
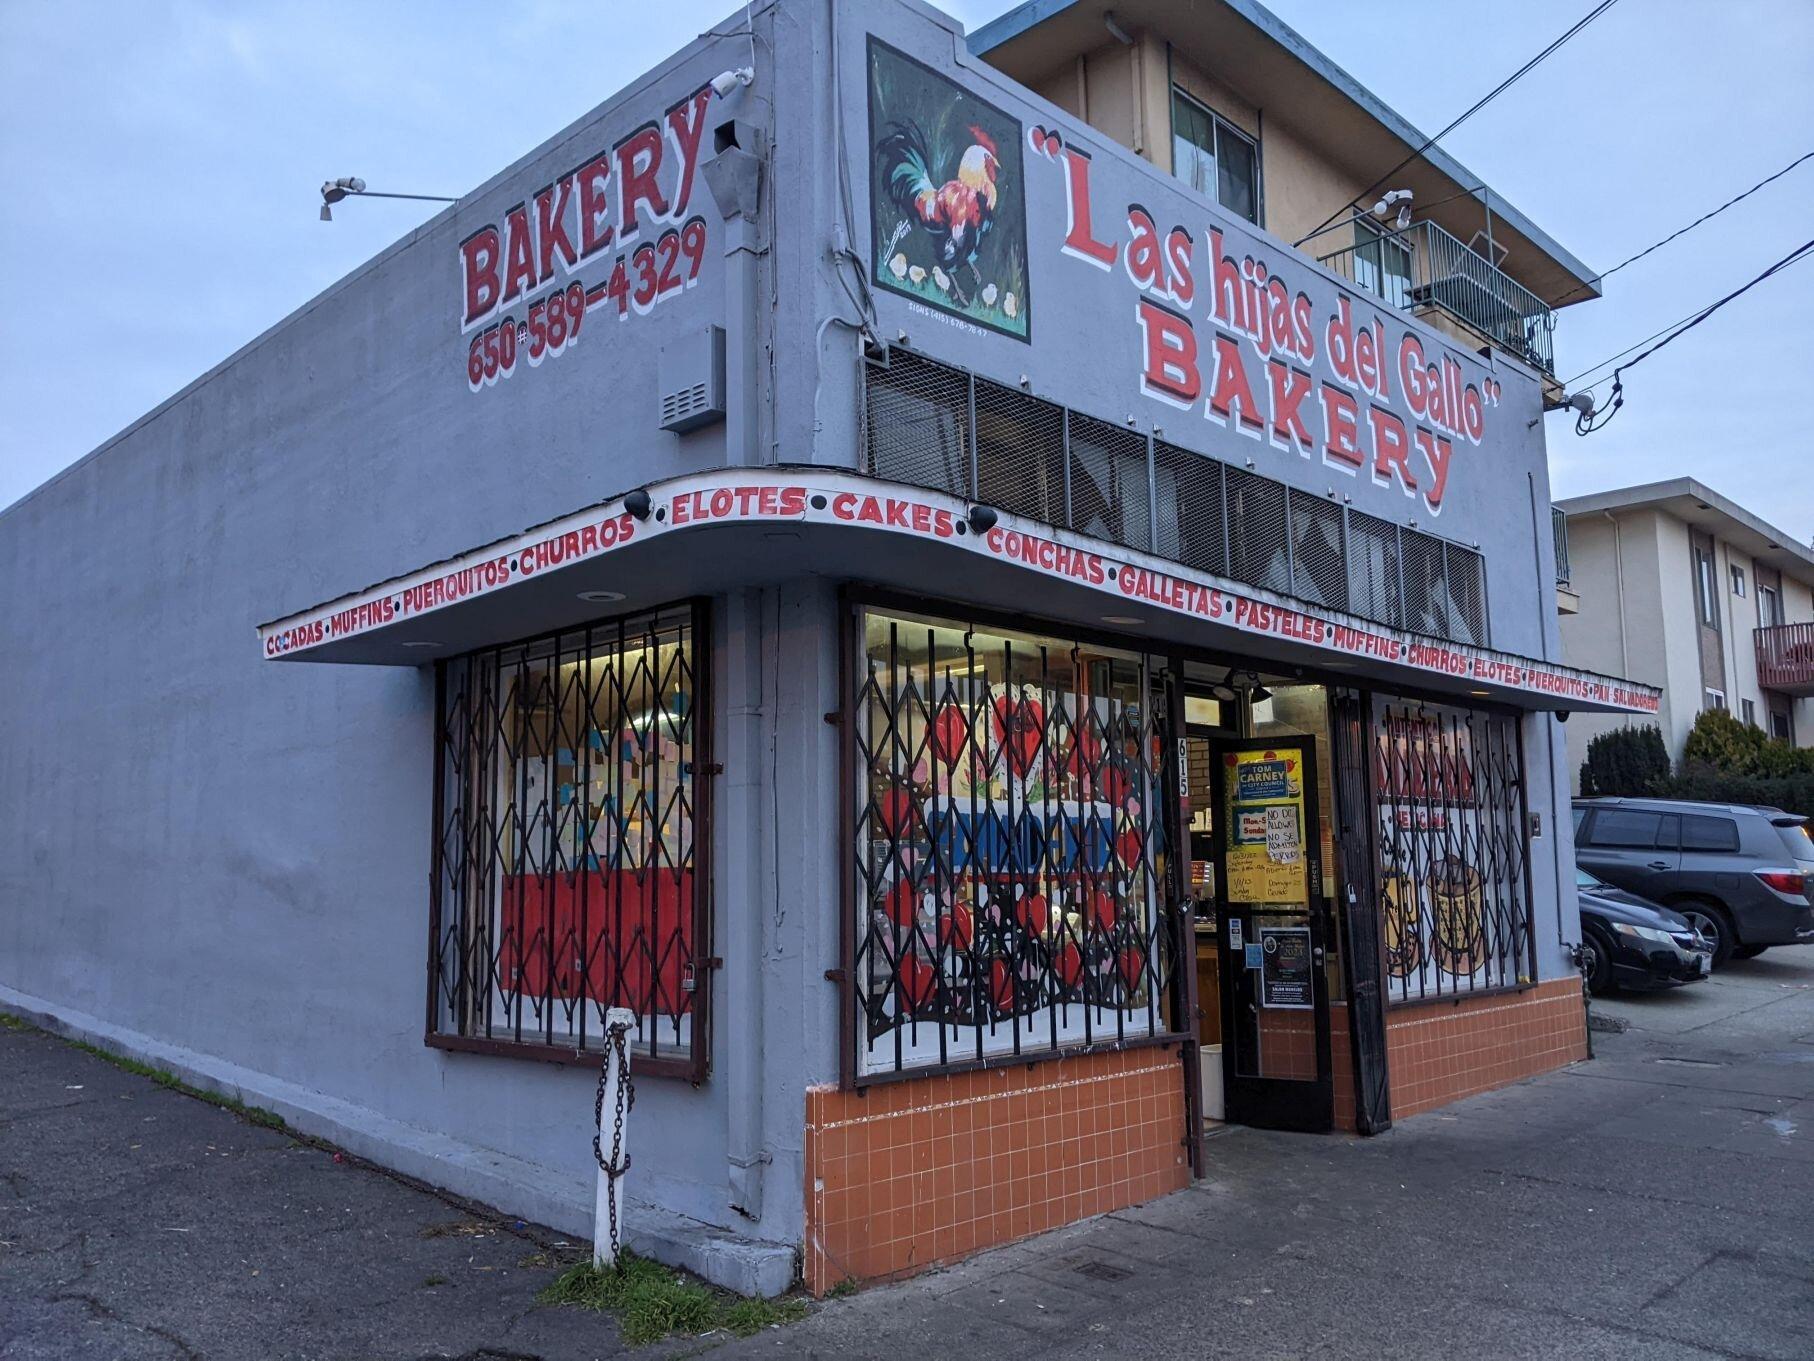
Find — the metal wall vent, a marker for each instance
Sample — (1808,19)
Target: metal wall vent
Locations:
(690,380)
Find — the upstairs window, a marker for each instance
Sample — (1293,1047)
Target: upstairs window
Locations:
(1738,581)
(1382,263)
(1769,606)
(1214,157)
(1706,600)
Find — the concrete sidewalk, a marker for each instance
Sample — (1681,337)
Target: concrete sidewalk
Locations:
(136,1221)
(1658,1201)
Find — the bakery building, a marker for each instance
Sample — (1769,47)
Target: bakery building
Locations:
(874,551)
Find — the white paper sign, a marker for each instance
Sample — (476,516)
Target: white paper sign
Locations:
(1282,846)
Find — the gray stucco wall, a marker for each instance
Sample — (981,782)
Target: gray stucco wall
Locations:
(223,861)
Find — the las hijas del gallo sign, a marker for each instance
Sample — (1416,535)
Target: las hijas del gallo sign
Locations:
(1351,418)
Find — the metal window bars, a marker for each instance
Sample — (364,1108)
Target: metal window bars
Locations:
(566,880)
(1008,852)
(931,425)
(1453,859)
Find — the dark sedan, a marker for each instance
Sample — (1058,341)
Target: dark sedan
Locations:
(1629,942)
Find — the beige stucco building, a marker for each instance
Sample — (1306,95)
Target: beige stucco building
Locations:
(1681,588)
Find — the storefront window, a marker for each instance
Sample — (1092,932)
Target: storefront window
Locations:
(1453,863)
(1009,855)
(565,869)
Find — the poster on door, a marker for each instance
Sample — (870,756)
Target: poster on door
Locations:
(1286,976)
(1263,805)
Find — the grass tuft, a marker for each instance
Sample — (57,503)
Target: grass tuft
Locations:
(652,1301)
(256,1115)
(747,1317)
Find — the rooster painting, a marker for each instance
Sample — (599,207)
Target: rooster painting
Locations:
(948,211)
(953,216)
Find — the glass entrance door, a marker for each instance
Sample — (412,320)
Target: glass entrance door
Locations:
(1275,999)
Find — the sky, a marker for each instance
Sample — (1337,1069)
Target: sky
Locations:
(163,160)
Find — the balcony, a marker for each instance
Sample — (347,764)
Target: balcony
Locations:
(1785,659)
(1422,267)
(1559,526)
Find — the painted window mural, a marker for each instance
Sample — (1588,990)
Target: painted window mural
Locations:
(565,870)
(1009,860)
(1453,860)
(948,212)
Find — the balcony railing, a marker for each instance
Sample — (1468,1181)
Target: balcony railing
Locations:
(1423,266)
(1559,525)
(1785,658)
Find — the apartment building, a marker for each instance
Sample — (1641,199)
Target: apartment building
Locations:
(1013,660)
(1690,592)
(1242,108)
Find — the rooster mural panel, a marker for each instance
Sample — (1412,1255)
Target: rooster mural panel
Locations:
(947,201)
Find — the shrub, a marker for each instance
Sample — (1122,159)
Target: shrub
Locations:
(1632,762)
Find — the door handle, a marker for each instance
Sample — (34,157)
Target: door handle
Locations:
(1659,865)
(1317,954)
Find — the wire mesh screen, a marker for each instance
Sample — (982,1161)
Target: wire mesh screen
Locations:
(1319,567)
(1453,882)
(1373,578)
(1019,453)
(563,857)
(1038,459)
(1187,490)
(1110,494)
(1009,860)
(1258,551)
(1426,584)
(917,423)
(1467,595)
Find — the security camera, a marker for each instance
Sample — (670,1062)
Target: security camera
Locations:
(726,81)
(1582,402)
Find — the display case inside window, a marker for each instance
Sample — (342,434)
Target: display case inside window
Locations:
(1453,857)
(566,848)
(1009,855)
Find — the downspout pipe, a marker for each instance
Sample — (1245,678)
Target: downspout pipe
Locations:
(735,175)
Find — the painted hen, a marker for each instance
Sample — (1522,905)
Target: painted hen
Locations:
(955,215)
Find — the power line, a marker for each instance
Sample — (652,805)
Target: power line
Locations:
(1787,260)
(1588,421)
(1473,109)
(1704,217)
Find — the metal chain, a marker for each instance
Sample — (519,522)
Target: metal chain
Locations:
(616,1047)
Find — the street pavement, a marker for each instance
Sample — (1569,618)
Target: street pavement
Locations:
(1657,1201)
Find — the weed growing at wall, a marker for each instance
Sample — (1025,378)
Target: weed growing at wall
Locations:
(652,1301)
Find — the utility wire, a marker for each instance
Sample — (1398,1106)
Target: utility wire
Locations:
(1787,260)
(1588,421)
(1473,109)
(1704,217)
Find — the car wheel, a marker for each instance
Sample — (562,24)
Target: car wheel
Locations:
(1712,922)
(1748,951)
(1596,963)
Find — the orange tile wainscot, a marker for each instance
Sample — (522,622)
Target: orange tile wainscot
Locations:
(909,1174)
(1442,1051)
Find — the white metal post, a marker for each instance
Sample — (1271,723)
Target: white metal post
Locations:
(613,1145)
